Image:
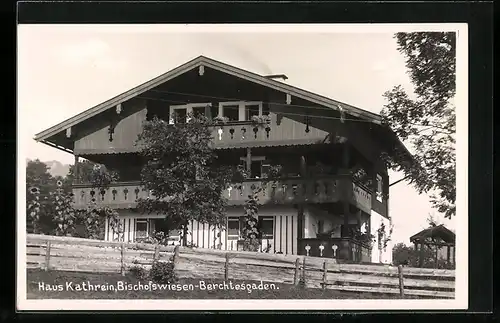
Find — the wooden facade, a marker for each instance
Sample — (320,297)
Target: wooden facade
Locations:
(303,130)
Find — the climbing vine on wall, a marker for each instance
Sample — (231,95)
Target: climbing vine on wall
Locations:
(251,231)
(384,236)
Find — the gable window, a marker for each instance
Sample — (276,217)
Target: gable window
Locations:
(233,228)
(242,110)
(379,188)
(180,113)
(231,112)
(266,225)
(252,110)
(208,111)
(141,228)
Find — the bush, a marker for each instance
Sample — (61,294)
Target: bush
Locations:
(163,273)
(138,272)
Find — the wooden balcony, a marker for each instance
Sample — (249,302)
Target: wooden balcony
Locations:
(124,195)
(248,134)
(342,249)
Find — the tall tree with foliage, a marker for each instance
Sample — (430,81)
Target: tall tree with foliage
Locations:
(426,118)
(181,173)
(39,184)
(49,208)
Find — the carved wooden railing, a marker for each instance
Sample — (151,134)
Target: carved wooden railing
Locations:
(241,132)
(124,195)
(283,191)
(344,249)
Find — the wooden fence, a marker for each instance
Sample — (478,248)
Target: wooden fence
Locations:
(85,255)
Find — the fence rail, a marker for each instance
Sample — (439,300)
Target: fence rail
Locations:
(85,255)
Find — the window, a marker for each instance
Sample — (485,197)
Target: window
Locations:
(379,188)
(265,109)
(266,224)
(242,110)
(160,225)
(256,169)
(252,110)
(209,111)
(233,228)
(258,166)
(231,112)
(265,169)
(174,235)
(178,115)
(321,226)
(141,228)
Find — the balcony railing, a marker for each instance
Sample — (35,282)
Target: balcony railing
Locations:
(124,195)
(243,133)
(285,191)
(344,249)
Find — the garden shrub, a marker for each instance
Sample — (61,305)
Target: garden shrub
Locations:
(138,272)
(163,273)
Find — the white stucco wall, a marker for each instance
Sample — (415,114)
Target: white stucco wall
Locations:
(385,255)
(330,221)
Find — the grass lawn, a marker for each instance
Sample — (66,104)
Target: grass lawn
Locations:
(64,285)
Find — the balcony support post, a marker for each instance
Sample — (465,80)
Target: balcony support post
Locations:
(346,188)
(300,222)
(303,166)
(249,159)
(76,172)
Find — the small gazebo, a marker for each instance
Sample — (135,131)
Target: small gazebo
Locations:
(437,237)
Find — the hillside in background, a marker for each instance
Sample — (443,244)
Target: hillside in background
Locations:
(56,168)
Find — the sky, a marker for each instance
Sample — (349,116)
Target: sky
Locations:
(64,70)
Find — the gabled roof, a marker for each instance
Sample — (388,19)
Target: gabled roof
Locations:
(210,63)
(439,231)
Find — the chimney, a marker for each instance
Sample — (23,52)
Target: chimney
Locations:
(277,76)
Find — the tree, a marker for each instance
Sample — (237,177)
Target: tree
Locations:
(408,256)
(90,172)
(39,185)
(181,173)
(427,120)
(49,208)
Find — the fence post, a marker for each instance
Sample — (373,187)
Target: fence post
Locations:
(157,253)
(47,256)
(401,283)
(304,271)
(122,256)
(226,267)
(325,271)
(296,277)
(175,259)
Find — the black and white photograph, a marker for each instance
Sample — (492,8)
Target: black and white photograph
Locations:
(242,167)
